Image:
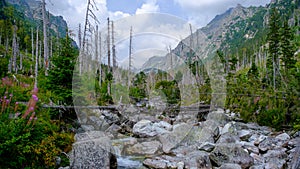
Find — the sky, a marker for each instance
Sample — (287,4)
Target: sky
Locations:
(157,24)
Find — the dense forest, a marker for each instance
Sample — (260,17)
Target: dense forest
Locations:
(262,74)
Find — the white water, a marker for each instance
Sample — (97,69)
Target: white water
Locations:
(128,163)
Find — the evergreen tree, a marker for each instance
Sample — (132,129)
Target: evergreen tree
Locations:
(60,76)
(287,48)
(274,44)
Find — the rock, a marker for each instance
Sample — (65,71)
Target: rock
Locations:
(205,132)
(92,150)
(258,159)
(87,127)
(250,147)
(155,163)
(218,116)
(144,148)
(230,166)
(197,159)
(163,125)
(180,165)
(244,134)
(231,153)
(229,127)
(172,139)
(228,138)
(257,167)
(145,128)
(120,144)
(207,146)
(270,143)
(283,137)
(275,159)
(295,158)
(256,139)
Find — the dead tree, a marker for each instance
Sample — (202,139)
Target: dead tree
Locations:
(108,44)
(36,58)
(46,49)
(129,59)
(113,46)
(88,28)
(14,49)
(32,44)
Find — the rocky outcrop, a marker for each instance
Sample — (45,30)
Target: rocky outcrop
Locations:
(92,150)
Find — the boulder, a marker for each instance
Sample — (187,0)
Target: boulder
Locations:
(283,137)
(228,138)
(92,150)
(270,143)
(155,163)
(275,159)
(143,148)
(207,146)
(197,159)
(145,128)
(244,134)
(230,166)
(295,158)
(231,153)
(172,139)
(218,116)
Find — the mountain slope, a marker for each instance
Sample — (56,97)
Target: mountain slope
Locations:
(32,11)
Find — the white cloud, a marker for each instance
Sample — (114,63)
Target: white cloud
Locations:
(149,7)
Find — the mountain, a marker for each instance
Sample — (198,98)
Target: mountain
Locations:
(228,29)
(33,12)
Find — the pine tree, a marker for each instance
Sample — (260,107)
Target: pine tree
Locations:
(60,77)
(274,44)
(287,47)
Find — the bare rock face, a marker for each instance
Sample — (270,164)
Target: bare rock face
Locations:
(92,150)
(231,153)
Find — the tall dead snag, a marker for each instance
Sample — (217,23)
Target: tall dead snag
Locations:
(108,44)
(36,58)
(113,46)
(129,59)
(96,48)
(14,49)
(46,49)
(88,29)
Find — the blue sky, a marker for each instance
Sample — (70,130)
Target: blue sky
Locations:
(172,20)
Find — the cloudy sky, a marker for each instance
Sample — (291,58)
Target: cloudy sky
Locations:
(169,24)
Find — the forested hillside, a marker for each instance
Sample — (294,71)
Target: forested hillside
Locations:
(32,136)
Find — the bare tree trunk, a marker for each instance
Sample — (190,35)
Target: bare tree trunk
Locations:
(32,45)
(108,44)
(40,54)
(14,49)
(100,58)
(36,58)
(46,49)
(113,46)
(96,48)
(79,36)
(129,59)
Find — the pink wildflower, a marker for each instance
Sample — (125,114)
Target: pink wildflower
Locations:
(35,98)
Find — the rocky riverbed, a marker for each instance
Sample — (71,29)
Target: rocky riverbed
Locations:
(125,139)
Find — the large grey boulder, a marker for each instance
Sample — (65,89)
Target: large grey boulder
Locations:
(275,159)
(230,166)
(231,153)
(146,128)
(143,148)
(172,139)
(92,150)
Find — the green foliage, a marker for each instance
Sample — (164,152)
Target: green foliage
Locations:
(28,138)
(172,94)
(138,89)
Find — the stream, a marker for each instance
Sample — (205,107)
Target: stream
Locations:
(128,163)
